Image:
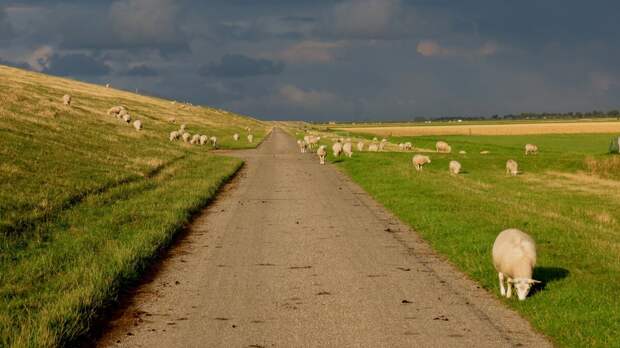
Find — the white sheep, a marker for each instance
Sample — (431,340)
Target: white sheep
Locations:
(174,135)
(213,141)
(236,137)
(401,146)
(195,139)
(485,152)
(107,85)
(531,149)
(442,146)
(360,146)
(311,140)
(408,146)
(186,137)
(203,139)
(302,146)
(514,258)
(463,152)
(321,152)
(347,148)
(115,110)
(455,167)
(182,128)
(250,138)
(382,144)
(66,100)
(373,147)
(512,168)
(137,124)
(419,161)
(375,139)
(337,149)
(126,118)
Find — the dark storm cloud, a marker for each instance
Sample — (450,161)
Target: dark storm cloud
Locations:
(142,70)
(350,59)
(22,65)
(237,65)
(76,65)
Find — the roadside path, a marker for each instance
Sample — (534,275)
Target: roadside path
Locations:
(293,254)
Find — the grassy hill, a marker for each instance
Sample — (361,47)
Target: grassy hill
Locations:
(86,200)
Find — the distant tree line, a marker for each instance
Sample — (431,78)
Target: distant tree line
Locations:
(528,116)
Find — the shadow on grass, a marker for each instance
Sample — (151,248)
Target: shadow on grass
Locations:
(547,275)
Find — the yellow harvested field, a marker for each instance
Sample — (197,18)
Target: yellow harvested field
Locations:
(493,129)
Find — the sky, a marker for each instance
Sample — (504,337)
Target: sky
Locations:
(320,60)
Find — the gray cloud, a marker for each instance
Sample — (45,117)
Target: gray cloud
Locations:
(142,70)
(6,30)
(76,65)
(237,65)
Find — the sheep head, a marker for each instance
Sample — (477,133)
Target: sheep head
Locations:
(523,286)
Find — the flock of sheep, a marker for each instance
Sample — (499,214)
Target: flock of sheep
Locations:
(514,252)
(121,113)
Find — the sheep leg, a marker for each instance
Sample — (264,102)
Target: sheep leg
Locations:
(509,290)
(502,290)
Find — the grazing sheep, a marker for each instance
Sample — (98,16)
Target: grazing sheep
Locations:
(382,144)
(174,135)
(115,110)
(195,139)
(462,152)
(531,149)
(302,146)
(360,146)
(137,124)
(511,167)
(321,152)
(126,118)
(182,128)
(401,146)
(442,146)
(514,258)
(347,148)
(236,137)
(408,146)
(66,100)
(485,152)
(213,141)
(203,139)
(337,149)
(250,138)
(419,161)
(373,147)
(455,167)
(375,139)
(186,137)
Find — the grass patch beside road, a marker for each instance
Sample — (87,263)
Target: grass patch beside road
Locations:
(573,216)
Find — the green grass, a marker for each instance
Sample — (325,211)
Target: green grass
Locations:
(571,214)
(86,201)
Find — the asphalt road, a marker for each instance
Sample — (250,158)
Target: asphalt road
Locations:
(293,254)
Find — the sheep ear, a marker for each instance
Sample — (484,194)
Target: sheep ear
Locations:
(534,281)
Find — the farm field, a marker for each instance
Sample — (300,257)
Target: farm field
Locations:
(86,201)
(499,128)
(567,197)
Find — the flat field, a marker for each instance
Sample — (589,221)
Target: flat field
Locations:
(503,128)
(86,201)
(567,197)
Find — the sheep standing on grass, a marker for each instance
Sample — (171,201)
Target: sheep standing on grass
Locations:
(321,152)
(455,167)
(127,118)
(360,146)
(373,147)
(250,138)
(401,146)
(186,137)
(203,139)
(337,149)
(442,146)
(514,258)
(213,141)
(195,139)
(137,125)
(115,110)
(182,129)
(408,146)
(512,168)
(174,135)
(302,146)
(382,144)
(462,152)
(419,161)
(347,148)
(236,137)
(531,149)
(66,100)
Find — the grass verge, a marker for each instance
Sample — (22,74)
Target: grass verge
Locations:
(571,214)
